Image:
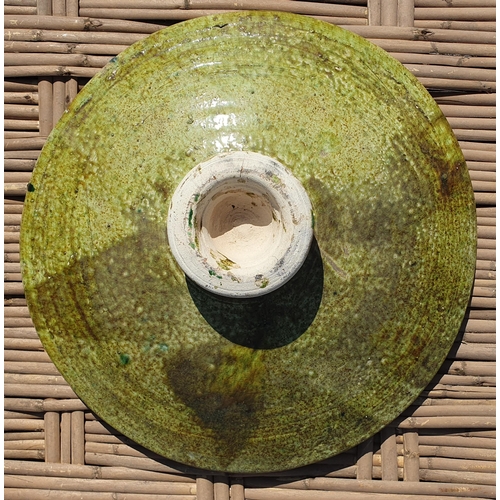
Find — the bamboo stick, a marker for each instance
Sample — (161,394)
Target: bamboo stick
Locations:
(389,455)
(21,155)
(455,452)
(456,25)
(52,437)
(59,98)
(20,10)
(72,8)
(75,23)
(77,438)
(427,47)
(45,106)
(21,111)
(24,455)
(20,436)
(25,444)
(472,368)
(24,424)
(31,143)
(27,356)
(451,411)
(468,111)
(456,14)
(457,476)
(17,378)
(411,463)
(38,59)
(365,460)
(44,405)
(30,367)
(386,487)
(27,3)
(66,484)
(25,165)
(284,493)
(73,36)
(183,8)
(21,124)
(148,464)
(221,488)
(457,3)
(94,49)
(52,70)
(237,491)
(41,494)
(59,7)
(20,414)
(457,441)
(415,34)
(452,464)
(14,467)
(39,391)
(20,98)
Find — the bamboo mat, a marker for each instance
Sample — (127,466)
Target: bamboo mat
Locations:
(443,446)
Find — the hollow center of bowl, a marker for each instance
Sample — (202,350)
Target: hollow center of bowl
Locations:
(240,227)
(240,224)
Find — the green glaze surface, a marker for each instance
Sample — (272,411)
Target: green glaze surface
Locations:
(304,372)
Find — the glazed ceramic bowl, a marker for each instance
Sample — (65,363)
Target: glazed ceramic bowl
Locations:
(320,363)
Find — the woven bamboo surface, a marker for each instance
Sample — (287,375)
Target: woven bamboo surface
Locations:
(443,446)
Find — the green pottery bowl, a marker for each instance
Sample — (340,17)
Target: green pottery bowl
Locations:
(335,354)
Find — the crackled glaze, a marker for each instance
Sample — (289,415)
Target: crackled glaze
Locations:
(327,359)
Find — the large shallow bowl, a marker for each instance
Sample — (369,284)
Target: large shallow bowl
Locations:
(316,366)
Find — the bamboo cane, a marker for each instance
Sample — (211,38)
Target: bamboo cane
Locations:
(25,444)
(386,487)
(90,49)
(20,436)
(30,368)
(21,111)
(472,368)
(455,452)
(73,36)
(44,405)
(21,124)
(24,424)
(205,487)
(39,391)
(456,25)
(24,455)
(20,165)
(66,484)
(451,411)
(47,71)
(457,3)
(182,7)
(388,450)
(365,460)
(41,494)
(474,443)
(37,59)
(18,378)
(78,438)
(455,14)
